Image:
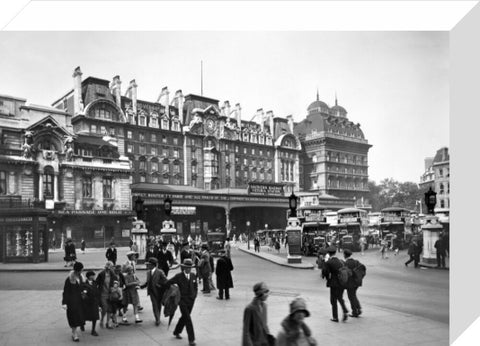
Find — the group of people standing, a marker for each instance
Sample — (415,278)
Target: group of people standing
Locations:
(107,295)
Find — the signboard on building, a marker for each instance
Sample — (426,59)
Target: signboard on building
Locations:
(98,233)
(125,233)
(49,204)
(183,210)
(392,219)
(265,189)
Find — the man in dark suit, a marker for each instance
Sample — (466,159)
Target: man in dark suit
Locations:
(330,272)
(155,284)
(255,328)
(352,286)
(188,286)
(165,259)
(111,254)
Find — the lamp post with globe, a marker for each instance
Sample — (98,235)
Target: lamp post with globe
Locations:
(431,229)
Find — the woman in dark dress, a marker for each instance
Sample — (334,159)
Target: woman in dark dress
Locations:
(72,299)
(91,298)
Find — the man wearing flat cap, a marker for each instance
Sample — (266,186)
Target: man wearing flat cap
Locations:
(155,284)
(188,286)
(255,328)
(330,272)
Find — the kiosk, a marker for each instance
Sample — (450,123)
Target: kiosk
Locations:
(139,234)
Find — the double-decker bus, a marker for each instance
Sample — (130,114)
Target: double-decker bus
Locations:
(314,225)
(352,225)
(396,227)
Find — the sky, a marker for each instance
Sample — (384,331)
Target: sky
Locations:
(395,84)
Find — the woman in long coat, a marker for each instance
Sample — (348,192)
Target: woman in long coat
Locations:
(72,299)
(224,275)
(91,298)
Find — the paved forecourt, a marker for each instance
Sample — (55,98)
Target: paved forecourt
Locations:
(36,318)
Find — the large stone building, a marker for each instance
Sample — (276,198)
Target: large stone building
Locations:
(54,181)
(217,167)
(334,159)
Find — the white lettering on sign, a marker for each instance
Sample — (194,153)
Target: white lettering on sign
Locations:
(184,210)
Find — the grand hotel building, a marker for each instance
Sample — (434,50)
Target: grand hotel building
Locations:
(79,166)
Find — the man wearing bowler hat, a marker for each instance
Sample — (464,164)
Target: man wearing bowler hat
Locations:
(155,284)
(330,272)
(165,259)
(188,286)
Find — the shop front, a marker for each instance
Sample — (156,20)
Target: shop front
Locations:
(23,236)
(97,227)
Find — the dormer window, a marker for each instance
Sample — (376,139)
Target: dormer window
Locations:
(142,120)
(176,126)
(165,124)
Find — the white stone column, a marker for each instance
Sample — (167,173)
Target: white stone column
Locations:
(40,186)
(55,187)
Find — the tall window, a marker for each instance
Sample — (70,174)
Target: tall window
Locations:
(141,137)
(154,166)
(142,149)
(165,124)
(142,120)
(154,122)
(164,139)
(129,148)
(141,165)
(176,126)
(129,134)
(154,179)
(154,137)
(175,140)
(3,183)
(48,182)
(93,128)
(87,187)
(153,150)
(176,153)
(107,187)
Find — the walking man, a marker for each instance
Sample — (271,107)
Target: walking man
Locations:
(255,328)
(165,259)
(188,286)
(155,284)
(205,269)
(330,272)
(411,252)
(352,285)
(224,276)
(441,253)
(111,254)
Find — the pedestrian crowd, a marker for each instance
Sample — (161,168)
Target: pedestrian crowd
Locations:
(106,296)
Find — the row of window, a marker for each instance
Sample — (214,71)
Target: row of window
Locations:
(153,122)
(254,175)
(107,184)
(152,137)
(252,162)
(158,167)
(155,179)
(141,149)
(347,185)
(442,190)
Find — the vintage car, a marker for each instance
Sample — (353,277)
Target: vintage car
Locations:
(216,242)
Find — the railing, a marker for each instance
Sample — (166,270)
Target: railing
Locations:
(9,202)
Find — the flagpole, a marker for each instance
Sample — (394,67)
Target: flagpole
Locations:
(201,77)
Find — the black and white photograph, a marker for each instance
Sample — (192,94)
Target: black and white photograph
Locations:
(225,187)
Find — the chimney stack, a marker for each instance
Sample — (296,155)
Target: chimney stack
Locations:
(133,94)
(261,114)
(238,111)
(270,118)
(226,109)
(116,88)
(165,93)
(77,91)
(290,122)
(179,98)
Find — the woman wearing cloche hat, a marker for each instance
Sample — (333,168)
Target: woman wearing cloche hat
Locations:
(294,330)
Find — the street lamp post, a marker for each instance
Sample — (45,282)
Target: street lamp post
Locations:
(431,230)
(248,235)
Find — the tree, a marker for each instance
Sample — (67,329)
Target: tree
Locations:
(391,193)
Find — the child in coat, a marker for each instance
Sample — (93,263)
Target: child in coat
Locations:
(132,284)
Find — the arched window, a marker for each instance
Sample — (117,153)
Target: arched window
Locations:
(87,186)
(48,182)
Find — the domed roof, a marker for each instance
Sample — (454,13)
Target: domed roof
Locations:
(317,106)
(338,110)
